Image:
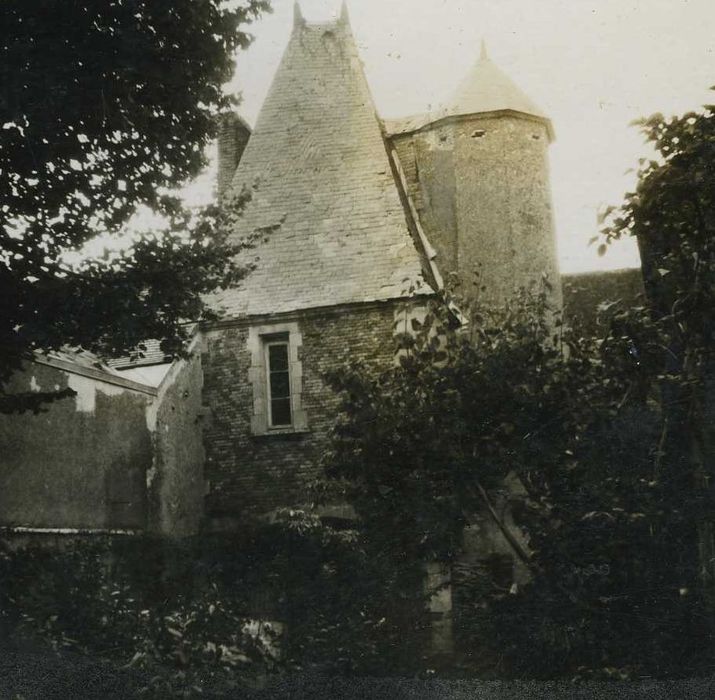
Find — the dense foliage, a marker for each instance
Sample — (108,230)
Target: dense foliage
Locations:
(591,457)
(600,450)
(520,419)
(217,612)
(672,215)
(103,109)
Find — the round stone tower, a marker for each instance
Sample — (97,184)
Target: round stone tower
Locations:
(479,175)
(505,226)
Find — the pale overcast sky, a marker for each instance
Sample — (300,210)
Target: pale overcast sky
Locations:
(592,65)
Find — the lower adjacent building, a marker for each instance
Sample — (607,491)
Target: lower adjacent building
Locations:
(123,456)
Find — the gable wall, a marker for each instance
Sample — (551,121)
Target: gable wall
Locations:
(175,482)
(252,475)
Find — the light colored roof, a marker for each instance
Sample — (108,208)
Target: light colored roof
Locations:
(404,125)
(149,354)
(323,191)
(486,88)
(87,364)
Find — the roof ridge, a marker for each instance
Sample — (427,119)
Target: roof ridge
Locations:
(97,371)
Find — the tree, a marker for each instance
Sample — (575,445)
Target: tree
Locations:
(672,215)
(611,439)
(425,446)
(104,110)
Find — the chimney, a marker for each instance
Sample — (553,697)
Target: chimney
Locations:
(233,135)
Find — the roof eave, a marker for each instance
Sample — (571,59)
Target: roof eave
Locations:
(438,120)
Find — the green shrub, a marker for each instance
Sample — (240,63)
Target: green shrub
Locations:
(291,595)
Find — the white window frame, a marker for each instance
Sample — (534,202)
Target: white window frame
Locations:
(259,338)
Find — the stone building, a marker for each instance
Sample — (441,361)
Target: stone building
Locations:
(357,223)
(360,220)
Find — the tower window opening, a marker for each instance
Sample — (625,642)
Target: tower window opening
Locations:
(278,375)
(478,133)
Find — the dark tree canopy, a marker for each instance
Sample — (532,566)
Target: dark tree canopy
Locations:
(610,439)
(672,215)
(423,447)
(104,106)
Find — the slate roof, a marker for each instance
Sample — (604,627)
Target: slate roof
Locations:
(404,125)
(591,298)
(79,357)
(83,362)
(486,88)
(151,354)
(143,373)
(323,191)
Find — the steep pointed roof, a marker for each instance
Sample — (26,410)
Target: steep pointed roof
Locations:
(324,196)
(486,88)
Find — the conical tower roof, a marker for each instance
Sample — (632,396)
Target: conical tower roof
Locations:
(486,88)
(324,198)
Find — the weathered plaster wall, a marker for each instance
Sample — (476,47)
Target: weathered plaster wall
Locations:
(176,479)
(81,463)
(251,475)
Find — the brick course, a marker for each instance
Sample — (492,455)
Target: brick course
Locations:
(250,474)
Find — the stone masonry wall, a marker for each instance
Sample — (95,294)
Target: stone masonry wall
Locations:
(251,475)
(503,203)
(481,187)
(233,136)
(427,161)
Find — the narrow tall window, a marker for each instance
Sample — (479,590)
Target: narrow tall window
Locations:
(280,412)
(276,375)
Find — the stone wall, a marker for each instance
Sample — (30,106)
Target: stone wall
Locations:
(119,456)
(233,135)
(249,474)
(176,480)
(427,161)
(503,203)
(82,462)
(481,186)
